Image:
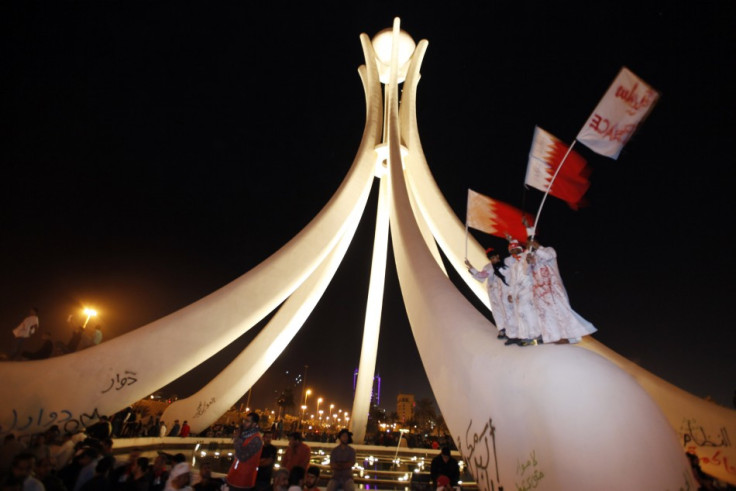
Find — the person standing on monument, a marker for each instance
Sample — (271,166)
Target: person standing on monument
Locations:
(494,275)
(521,284)
(559,322)
(25,330)
(248,446)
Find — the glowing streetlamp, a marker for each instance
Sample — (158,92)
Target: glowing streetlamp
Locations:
(89,313)
(306,394)
(331,408)
(304,408)
(319,401)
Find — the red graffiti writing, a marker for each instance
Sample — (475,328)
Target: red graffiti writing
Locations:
(633,100)
(611,131)
(716,459)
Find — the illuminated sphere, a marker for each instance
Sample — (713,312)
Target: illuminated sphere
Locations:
(382,45)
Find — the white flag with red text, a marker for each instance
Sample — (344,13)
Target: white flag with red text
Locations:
(571,181)
(496,217)
(627,101)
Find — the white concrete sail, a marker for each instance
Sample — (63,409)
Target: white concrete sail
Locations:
(548,418)
(72,390)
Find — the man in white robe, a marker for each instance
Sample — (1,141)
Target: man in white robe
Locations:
(558,321)
(498,294)
(521,284)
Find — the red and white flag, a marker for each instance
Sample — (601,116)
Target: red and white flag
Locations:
(496,217)
(545,157)
(627,101)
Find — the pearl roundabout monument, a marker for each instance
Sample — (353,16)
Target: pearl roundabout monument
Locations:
(577,416)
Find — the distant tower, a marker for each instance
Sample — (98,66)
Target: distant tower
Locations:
(405,407)
(375,390)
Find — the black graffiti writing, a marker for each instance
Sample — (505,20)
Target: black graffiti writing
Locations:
(127,379)
(698,436)
(44,419)
(535,475)
(202,407)
(477,453)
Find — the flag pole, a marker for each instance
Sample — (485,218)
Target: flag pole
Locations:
(544,198)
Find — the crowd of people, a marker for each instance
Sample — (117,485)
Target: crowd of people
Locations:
(528,299)
(255,458)
(55,461)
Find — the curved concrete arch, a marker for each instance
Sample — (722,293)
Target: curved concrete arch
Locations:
(203,408)
(562,446)
(447,229)
(76,388)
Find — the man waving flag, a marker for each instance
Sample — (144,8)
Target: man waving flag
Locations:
(496,217)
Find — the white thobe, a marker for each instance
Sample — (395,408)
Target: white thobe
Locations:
(521,284)
(558,320)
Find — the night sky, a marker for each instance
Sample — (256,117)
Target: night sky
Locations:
(152,152)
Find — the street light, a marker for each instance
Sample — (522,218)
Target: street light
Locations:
(89,313)
(319,401)
(304,408)
(306,394)
(331,407)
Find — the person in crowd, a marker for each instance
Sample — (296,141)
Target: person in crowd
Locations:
(443,483)
(206,481)
(101,430)
(45,474)
(100,481)
(97,335)
(180,477)
(47,347)
(159,474)
(280,480)
(25,330)
(11,447)
(140,478)
(21,473)
(38,447)
(248,446)
(311,479)
(297,453)
(175,429)
(265,466)
(123,474)
(89,467)
(296,479)
(76,338)
(185,429)
(444,465)
(342,460)
(62,451)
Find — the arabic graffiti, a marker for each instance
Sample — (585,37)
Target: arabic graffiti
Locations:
(202,407)
(694,434)
(65,419)
(716,459)
(477,453)
(127,379)
(531,479)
